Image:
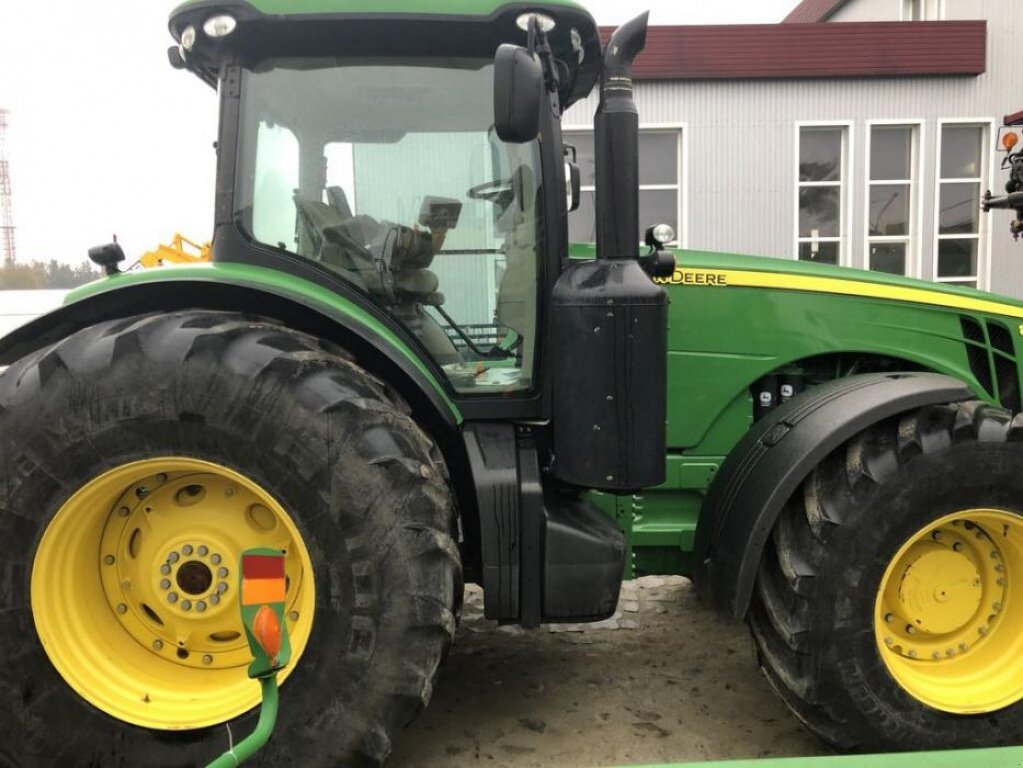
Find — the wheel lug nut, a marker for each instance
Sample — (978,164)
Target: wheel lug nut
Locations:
(157,645)
(108,560)
(936,535)
(215,559)
(207,659)
(982,630)
(122,608)
(889,618)
(186,605)
(935,655)
(172,597)
(221,587)
(950,652)
(889,642)
(996,607)
(164,583)
(293,615)
(911,653)
(994,555)
(186,550)
(958,546)
(963,646)
(214,599)
(1000,582)
(200,606)
(173,557)
(165,569)
(222,573)
(203,551)
(910,629)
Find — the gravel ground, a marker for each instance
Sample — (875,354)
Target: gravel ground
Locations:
(662,681)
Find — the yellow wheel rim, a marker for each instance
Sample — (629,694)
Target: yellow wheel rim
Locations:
(948,620)
(134,591)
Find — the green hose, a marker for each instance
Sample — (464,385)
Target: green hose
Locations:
(256,740)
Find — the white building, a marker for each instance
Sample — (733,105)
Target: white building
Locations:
(856,132)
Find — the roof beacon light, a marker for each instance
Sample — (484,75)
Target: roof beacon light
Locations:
(1009,140)
(221,25)
(546,22)
(188,38)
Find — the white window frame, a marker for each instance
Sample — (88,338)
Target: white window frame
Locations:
(906,9)
(844,184)
(983,276)
(681,130)
(914,244)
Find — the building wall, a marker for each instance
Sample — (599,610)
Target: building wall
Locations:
(739,179)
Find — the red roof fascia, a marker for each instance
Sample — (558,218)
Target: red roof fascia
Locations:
(1016,118)
(811,11)
(851,49)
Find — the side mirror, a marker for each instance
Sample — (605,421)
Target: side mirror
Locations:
(518,94)
(573,185)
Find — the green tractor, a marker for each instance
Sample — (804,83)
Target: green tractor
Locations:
(398,372)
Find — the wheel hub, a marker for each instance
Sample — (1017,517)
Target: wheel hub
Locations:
(946,624)
(153,636)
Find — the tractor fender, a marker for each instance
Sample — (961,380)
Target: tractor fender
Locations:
(304,307)
(778,453)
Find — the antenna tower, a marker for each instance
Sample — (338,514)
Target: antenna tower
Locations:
(7,252)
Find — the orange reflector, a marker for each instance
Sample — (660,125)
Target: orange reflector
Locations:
(1010,140)
(267,631)
(256,591)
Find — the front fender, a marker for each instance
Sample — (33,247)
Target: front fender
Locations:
(775,457)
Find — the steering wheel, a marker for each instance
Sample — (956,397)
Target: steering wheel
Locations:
(499,191)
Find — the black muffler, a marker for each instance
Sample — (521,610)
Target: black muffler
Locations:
(610,319)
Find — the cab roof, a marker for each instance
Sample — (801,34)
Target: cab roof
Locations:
(267,28)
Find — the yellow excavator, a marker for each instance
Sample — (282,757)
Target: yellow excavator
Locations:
(181,250)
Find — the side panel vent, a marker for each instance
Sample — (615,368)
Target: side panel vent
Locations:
(1001,339)
(979,357)
(1008,383)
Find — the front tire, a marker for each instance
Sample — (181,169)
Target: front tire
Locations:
(889,602)
(233,407)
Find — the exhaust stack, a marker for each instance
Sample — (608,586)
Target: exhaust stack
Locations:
(616,130)
(609,319)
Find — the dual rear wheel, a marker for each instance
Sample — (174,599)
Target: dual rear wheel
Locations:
(139,458)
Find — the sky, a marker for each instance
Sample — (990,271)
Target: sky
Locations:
(106,138)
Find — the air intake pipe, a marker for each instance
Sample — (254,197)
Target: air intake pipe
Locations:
(616,128)
(610,320)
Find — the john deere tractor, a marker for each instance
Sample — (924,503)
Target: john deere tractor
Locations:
(397,371)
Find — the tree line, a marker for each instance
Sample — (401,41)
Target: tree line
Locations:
(20,275)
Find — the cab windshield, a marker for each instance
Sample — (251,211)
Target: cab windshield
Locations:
(389,173)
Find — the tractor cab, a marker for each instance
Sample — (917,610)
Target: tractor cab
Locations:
(367,153)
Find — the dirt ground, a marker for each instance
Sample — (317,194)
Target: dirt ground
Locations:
(662,681)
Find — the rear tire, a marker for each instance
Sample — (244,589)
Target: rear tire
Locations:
(813,615)
(363,484)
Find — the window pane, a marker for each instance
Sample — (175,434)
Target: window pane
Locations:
(583,143)
(891,150)
(658,158)
(960,208)
(963,283)
(888,257)
(819,211)
(820,154)
(823,253)
(957,258)
(960,151)
(658,206)
(889,209)
(582,226)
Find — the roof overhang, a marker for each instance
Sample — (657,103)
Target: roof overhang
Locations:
(792,51)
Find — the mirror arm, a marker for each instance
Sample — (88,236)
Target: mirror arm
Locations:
(537,43)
